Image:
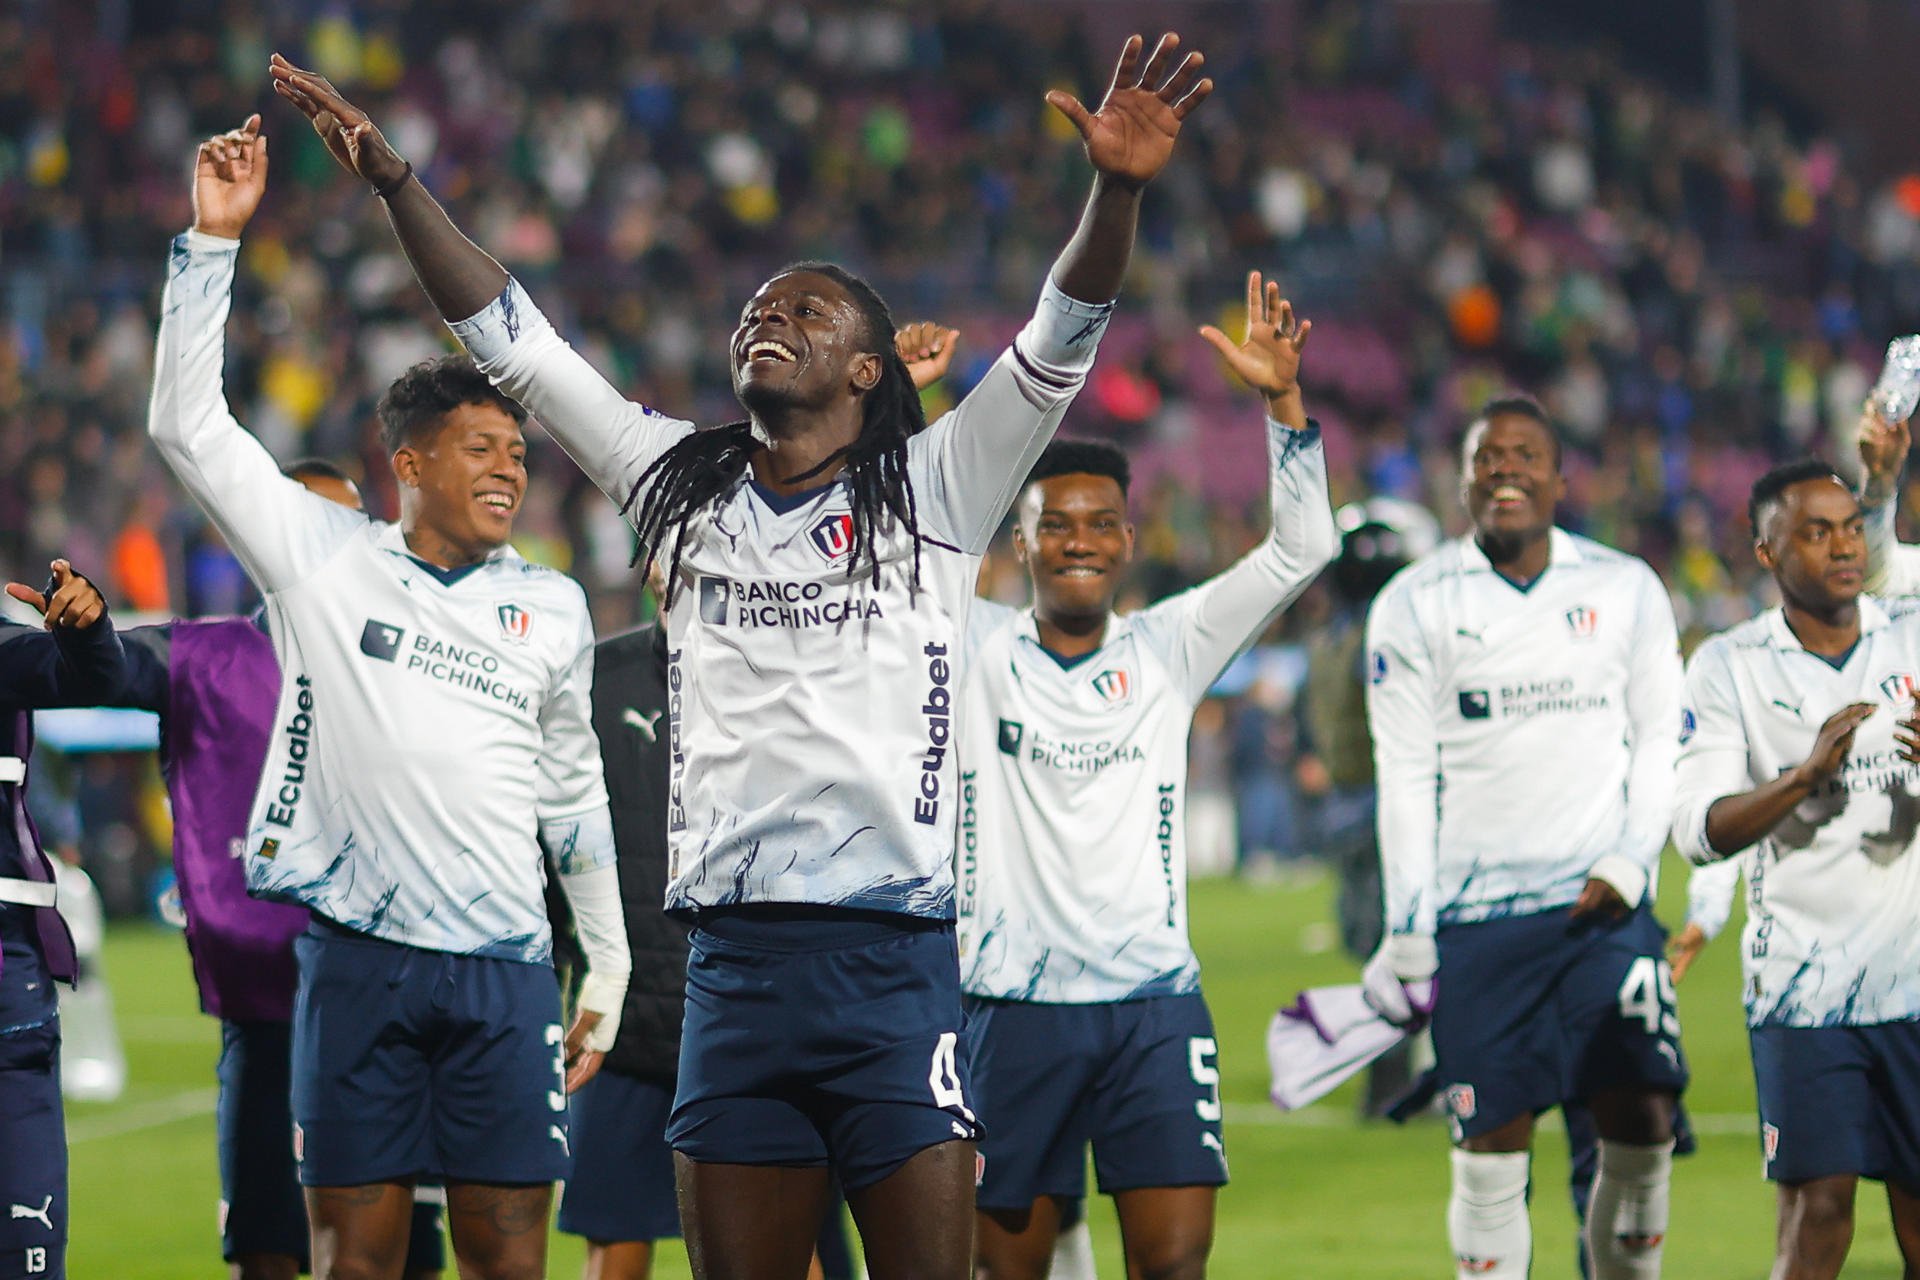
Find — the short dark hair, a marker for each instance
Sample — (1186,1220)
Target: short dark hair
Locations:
(412,408)
(315,468)
(1082,458)
(1524,406)
(1768,488)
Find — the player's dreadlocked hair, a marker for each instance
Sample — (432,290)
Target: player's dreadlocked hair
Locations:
(702,466)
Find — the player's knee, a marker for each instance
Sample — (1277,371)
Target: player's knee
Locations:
(1638,1118)
(1178,1258)
(1823,1208)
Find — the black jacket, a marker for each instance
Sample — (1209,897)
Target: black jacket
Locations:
(630,716)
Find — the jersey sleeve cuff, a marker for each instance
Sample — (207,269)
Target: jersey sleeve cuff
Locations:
(1064,332)
(1628,878)
(490,333)
(201,242)
(1413,956)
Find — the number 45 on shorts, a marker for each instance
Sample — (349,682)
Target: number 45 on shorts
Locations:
(1646,996)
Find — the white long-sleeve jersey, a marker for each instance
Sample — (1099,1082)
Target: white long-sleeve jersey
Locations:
(1524,739)
(1072,857)
(1893,567)
(811,709)
(1710,890)
(1834,890)
(428,733)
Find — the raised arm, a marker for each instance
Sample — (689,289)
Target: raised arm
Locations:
(971,463)
(279,530)
(75,661)
(613,439)
(1893,568)
(1198,632)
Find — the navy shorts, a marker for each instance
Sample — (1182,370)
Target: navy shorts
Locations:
(1139,1079)
(1541,1008)
(410,1063)
(622,1183)
(816,1035)
(262,1209)
(1839,1100)
(33,1131)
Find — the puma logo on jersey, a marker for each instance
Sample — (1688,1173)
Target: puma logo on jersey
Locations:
(1787,707)
(44,1214)
(643,723)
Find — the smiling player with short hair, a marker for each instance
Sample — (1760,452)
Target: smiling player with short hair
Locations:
(1524,700)
(1084,1012)
(434,729)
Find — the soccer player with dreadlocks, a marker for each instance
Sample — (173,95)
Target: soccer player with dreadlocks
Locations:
(822,556)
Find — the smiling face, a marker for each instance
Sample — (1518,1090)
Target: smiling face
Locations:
(1073,536)
(1512,479)
(802,343)
(1812,541)
(465,480)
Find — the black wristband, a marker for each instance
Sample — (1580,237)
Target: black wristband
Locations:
(387,191)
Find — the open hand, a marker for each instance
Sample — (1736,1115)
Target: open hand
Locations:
(1131,135)
(350,136)
(583,1064)
(73,602)
(229,177)
(1684,948)
(927,350)
(1269,359)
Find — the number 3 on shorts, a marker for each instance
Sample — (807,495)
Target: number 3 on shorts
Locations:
(1647,996)
(945,1074)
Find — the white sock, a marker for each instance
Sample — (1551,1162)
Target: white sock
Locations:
(1073,1254)
(1487,1214)
(1627,1218)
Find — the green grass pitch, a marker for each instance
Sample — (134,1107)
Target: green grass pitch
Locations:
(1314,1195)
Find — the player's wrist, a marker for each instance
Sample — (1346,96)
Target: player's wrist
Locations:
(1413,957)
(216,229)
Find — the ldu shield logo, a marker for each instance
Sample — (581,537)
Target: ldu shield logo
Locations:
(1584,621)
(1114,686)
(516,624)
(1898,687)
(833,536)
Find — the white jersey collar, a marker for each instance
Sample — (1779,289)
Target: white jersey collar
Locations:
(390,538)
(1027,627)
(1562,548)
(1872,619)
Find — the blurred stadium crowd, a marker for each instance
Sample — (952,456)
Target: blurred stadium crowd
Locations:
(1691,299)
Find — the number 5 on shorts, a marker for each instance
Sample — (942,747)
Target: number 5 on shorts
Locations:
(1647,996)
(1206,1075)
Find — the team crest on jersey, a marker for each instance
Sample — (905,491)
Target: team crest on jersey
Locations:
(1113,685)
(1899,687)
(833,536)
(1584,620)
(1460,1101)
(516,624)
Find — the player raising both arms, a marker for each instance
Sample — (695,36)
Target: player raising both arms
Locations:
(1525,705)
(821,560)
(433,730)
(1084,1010)
(1799,758)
